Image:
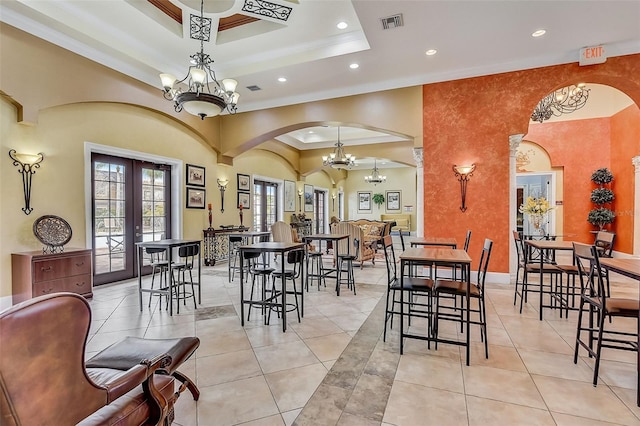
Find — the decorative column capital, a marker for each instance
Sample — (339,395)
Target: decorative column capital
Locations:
(514,143)
(636,163)
(418,157)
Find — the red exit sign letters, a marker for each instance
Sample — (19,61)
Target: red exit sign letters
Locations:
(593,55)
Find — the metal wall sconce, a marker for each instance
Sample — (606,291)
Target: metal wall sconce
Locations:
(463,173)
(300,192)
(333,201)
(27,163)
(222,186)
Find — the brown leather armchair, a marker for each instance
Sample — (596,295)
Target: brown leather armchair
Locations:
(43,379)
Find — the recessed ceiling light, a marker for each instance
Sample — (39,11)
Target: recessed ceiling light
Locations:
(342,25)
(538,33)
(354,66)
(431,52)
(310,131)
(282,79)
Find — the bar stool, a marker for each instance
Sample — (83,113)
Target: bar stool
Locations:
(294,258)
(262,271)
(234,256)
(159,265)
(316,269)
(187,255)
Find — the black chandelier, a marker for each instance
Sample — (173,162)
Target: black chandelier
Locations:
(562,101)
(338,159)
(204,96)
(375,177)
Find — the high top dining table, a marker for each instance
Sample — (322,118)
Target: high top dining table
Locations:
(435,256)
(167,245)
(629,268)
(435,241)
(324,237)
(544,247)
(278,248)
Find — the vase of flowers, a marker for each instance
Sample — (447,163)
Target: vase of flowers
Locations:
(536,208)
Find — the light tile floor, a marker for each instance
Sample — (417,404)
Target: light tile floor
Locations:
(334,369)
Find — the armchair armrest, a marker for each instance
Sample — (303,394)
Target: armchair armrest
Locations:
(123,381)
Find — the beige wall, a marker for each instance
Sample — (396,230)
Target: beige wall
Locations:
(56,116)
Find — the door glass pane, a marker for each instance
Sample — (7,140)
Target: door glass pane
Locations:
(109,214)
(154,207)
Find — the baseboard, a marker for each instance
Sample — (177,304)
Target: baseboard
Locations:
(5,302)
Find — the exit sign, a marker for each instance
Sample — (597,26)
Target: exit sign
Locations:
(593,55)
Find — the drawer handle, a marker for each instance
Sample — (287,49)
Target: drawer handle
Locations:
(80,284)
(47,269)
(47,291)
(80,264)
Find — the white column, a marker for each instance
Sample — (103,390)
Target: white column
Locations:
(514,142)
(418,157)
(636,205)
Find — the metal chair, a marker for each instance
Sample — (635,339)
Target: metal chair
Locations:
(413,286)
(294,258)
(458,289)
(187,255)
(597,302)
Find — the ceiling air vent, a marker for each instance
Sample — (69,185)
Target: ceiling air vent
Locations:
(393,21)
(254,88)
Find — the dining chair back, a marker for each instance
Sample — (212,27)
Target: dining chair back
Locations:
(348,252)
(599,307)
(281,232)
(604,243)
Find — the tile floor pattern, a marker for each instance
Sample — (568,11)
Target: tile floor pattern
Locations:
(334,369)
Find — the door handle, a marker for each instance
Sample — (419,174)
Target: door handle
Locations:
(138,234)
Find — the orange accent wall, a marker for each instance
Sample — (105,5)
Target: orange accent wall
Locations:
(580,146)
(625,144)
(470,121)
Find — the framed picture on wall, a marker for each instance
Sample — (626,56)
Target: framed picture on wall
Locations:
(244,182)
(289,196)
(196,198)
(195,175)
(393,200)
(308,198)
(244,199)
(364,201)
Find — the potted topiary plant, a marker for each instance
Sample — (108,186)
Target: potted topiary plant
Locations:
(601,196)
(378,199)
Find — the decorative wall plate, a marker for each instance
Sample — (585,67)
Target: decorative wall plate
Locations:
(52,231)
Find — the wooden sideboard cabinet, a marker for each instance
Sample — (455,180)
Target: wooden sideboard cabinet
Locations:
(35,273)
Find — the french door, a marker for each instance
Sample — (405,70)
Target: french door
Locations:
(131,203)
(319,203)
(265,205)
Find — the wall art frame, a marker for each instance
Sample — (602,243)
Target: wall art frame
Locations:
(289,196)
(244,199)
(244,182)
(195,175)
(196,198)
(394,200)
(308,198)
(364,201)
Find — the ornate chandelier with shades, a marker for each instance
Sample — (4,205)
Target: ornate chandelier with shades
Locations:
(199,92)
(338,159)
(562,101)
(375,177)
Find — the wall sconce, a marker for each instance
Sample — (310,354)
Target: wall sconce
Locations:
(300,192)
(27,163)
(463,173)
(222,185)
(333,201)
